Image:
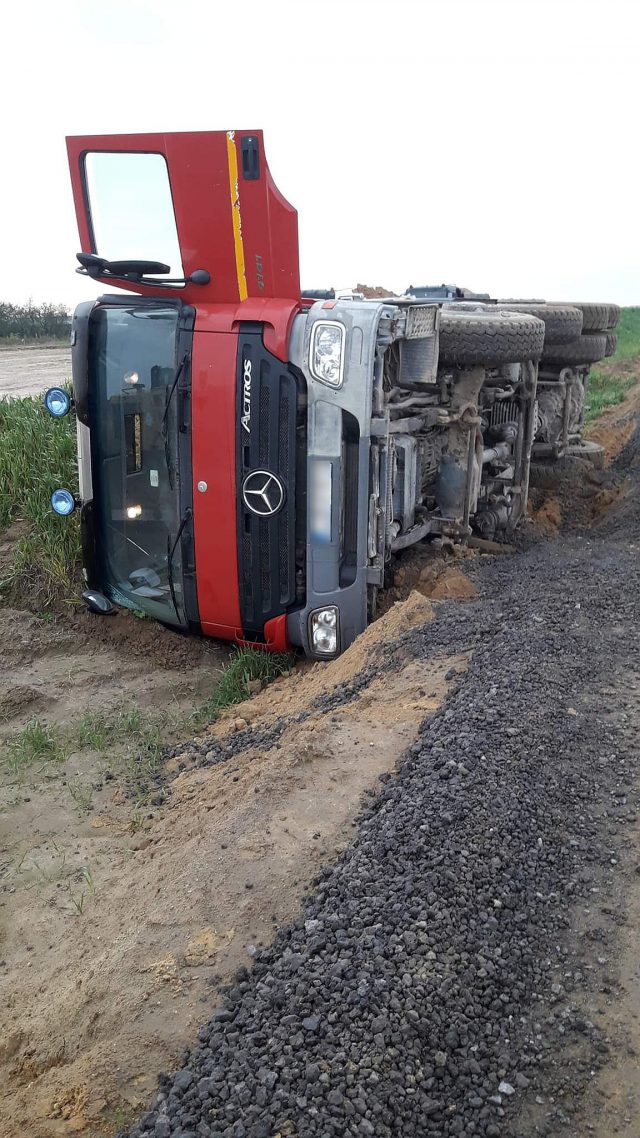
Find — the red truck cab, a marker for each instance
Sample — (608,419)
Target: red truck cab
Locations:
(155,389)
(249,459)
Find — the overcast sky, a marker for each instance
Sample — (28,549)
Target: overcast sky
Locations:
(492,143)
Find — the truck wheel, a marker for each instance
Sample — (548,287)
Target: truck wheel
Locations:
(595,317)
(562,322)
(550,474)
(612,343)
(588,451)
(489,337)
(614,315)
(586,349)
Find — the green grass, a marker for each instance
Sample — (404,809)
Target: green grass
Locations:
(628,334)
(37,455)
(133,740)
(35,743)
(609,383)
(249,666)
(82,794)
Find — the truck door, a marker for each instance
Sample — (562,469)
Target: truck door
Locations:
(195,203)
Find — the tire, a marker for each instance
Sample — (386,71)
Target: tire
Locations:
(488,337)
(587,349)
(562,322)
(612,343)
(614,315)
(550,474)
(595,317)
(588,451)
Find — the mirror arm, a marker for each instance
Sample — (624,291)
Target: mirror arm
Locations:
(198,276)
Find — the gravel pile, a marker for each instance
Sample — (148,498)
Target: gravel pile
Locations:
(416,994)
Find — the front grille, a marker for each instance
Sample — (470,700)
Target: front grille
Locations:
(266,547)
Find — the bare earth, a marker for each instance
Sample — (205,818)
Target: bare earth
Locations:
(120,918)
(93,1003)
(30,371)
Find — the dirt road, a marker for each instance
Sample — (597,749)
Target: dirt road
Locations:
(30,371)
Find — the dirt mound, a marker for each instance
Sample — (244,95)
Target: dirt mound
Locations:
(452,584)
(374,292)
(140,637)
(615,427)
(575,496)
(434,573)
(547,517)
(127,920)
(289,696)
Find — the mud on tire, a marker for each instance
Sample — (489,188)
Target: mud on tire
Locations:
(588,451)
(586,349)
(562,322)
(549,474)
(477,336)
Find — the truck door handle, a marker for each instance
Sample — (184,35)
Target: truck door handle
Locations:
(250,158)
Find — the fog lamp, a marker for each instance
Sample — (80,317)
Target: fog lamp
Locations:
(57,402)
(63,503)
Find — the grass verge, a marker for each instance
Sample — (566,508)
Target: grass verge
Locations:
(249,670)
(133,741)
(36,743)
(609,382)
(37,455)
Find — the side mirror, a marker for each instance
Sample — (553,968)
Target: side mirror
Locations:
(98,603)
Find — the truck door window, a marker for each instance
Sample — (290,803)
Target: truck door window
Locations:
(131,208)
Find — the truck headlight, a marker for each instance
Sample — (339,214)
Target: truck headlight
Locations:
(323,625)
(326,352)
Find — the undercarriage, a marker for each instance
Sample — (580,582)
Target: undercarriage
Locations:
(453,458)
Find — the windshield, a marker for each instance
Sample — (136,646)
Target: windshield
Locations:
(133,369)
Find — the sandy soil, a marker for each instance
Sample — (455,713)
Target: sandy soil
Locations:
(615,426)
(30,371)
(120,919)
(173,897)
(67,825)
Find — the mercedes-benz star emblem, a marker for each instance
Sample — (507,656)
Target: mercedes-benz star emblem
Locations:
(263,493)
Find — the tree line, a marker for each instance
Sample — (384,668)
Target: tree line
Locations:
(34,321)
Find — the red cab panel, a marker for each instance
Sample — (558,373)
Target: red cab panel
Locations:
(228,217)
(213,452)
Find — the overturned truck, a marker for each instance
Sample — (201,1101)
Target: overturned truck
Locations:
(576,336)
(250,456)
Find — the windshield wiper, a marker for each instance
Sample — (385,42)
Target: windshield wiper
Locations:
(171,549)
(167,404)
